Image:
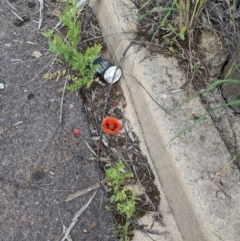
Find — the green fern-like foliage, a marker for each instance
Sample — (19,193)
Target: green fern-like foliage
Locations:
(66,47)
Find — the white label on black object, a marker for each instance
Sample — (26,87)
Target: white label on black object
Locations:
(1,86)
(112,74)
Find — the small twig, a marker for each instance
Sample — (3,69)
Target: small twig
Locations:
(89,147)
(48,189)
(129,132)
(19,61)
(59,212)
(77,215)
(64,88)
(19,122)
(41,9)
(17,16)
(51,138)
(36,75)
(12,6)
(84,191)
(139,183)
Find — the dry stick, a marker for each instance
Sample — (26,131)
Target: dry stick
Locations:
(59,212)
(36,75)
(139,183)
(12,7)
(84,191)
(41,9)
(48,189)
(17,16)
(89,147)
(77,215)
(19,61)
(64,88)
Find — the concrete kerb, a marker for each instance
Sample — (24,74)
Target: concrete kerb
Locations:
(186,166)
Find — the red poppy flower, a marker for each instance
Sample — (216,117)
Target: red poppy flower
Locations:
(111,125)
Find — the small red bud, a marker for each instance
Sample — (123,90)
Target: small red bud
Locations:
(76,132)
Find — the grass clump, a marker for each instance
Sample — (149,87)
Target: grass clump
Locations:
(184,11)
(122,197)
(67,48)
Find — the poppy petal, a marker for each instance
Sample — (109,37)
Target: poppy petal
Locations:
(111,125)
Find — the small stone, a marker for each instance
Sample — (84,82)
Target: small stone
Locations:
(85,230)
(94,224)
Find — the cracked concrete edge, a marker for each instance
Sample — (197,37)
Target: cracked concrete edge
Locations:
(184,168)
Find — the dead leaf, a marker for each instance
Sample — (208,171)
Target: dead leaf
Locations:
(36,54)
(94,224)
(24,219)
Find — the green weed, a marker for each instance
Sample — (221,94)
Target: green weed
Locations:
(66,48)
(185,11)
(125,203)
(122,197)
(218,236)
(124,232)
(228,165)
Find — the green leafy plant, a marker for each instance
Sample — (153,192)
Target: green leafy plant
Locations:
(117,175)
(66,48)
(122,196)
(124,232)
(188,11)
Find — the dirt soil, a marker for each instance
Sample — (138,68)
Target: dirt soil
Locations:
(41,162)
